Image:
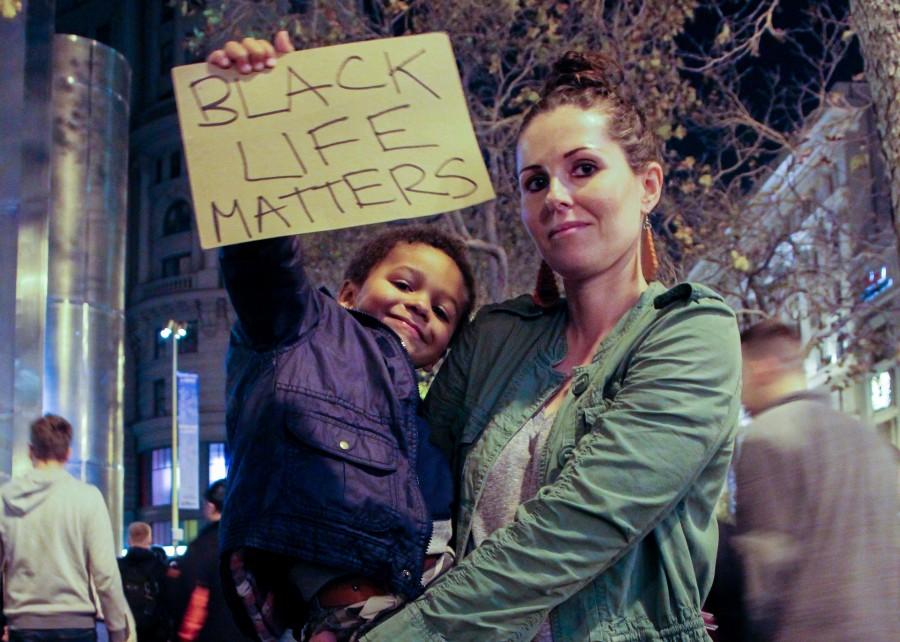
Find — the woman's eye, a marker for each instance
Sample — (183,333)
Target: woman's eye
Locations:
(441,314)
(402,285)
(584,169)
(535,183)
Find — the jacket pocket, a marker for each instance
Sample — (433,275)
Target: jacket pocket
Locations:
(344,468)
(364,446)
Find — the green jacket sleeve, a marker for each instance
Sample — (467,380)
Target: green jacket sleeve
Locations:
(676,410)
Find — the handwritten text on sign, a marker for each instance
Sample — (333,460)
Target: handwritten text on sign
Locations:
(330,138)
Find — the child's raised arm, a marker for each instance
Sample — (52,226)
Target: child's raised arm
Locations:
(265,279)
(269,290)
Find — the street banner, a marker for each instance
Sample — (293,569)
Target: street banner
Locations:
(188,440)
(330,138)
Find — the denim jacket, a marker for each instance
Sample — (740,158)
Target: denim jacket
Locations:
(619,544)
(330,459)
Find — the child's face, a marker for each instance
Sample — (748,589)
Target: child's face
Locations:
(418,292)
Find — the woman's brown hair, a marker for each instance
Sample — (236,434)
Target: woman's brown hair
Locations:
(594,81)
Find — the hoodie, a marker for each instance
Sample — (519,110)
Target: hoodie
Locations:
(57,555)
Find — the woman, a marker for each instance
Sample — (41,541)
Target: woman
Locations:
(591,434)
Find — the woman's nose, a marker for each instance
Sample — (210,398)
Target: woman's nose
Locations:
(558,196)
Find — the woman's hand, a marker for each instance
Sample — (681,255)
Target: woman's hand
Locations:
(251,54)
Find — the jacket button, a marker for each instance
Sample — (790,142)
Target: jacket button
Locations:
(565,454)
(580,384)
(405,574)
(344,444)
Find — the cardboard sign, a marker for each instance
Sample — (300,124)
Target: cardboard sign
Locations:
(330,138)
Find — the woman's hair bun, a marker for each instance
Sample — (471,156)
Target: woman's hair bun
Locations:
(576,70)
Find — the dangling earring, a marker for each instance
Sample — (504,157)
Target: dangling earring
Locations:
(649,260)
(546,290)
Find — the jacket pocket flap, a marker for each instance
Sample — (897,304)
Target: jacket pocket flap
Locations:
(364,447)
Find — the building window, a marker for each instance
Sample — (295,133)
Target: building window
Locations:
(190,342)
(160,345)
(162,533)
(881,390)
(166,57)
(177,218)
(144,477)
(166,62)
(218,463)
(190,529)
(176,265)
(159,398)
(161,476)
(175,165)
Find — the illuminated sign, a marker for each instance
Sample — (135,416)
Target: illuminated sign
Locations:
(876,284)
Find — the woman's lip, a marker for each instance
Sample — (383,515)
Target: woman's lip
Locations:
(566,228)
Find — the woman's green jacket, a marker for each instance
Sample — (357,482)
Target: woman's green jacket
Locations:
(620,542)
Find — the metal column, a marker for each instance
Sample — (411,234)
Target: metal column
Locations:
(84,353)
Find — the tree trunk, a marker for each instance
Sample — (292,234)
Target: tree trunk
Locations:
(878,24)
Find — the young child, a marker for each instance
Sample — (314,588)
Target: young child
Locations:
(337,505)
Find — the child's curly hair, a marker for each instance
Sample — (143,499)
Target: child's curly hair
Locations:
(374,251)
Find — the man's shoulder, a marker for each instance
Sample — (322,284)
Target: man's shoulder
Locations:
(80,493)
(796,421)
(142,559)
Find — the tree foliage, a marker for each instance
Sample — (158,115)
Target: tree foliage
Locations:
(743,94)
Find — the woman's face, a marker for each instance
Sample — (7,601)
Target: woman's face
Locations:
(581,201)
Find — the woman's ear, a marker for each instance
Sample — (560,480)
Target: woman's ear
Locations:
(652,182)
(347,295)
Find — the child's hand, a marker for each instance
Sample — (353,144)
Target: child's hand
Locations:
(251,54)
(323,636)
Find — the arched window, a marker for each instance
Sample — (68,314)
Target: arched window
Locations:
(177,218)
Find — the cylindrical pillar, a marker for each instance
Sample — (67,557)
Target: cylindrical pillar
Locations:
(84,352)
(26,151)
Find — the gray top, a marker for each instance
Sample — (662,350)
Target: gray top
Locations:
(513,479)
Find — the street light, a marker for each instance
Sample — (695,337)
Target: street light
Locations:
(176,331)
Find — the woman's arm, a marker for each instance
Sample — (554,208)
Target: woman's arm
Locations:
(676,409)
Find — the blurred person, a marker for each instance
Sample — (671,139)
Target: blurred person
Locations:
(206,616)
(144,581)
(816,506)
(56,548)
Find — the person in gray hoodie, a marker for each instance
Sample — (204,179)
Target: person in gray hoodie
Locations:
(56,548)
